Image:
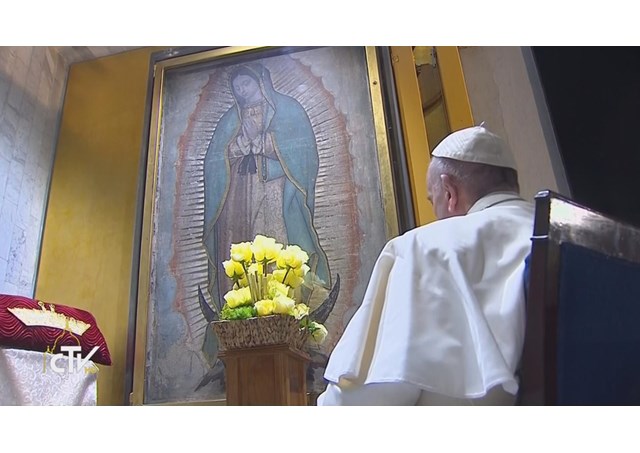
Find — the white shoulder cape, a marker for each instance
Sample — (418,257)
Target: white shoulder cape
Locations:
(444,308)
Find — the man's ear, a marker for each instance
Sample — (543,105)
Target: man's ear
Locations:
(451,193)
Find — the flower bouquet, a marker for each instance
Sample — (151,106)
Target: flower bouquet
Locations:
(263,307)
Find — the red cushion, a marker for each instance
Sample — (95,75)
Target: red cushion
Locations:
(15,333)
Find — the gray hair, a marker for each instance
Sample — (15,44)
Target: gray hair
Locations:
(477,179)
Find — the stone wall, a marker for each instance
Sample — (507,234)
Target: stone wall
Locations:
(502,92)
(32,81)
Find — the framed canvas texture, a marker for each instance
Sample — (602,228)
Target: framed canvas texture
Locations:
(286,142)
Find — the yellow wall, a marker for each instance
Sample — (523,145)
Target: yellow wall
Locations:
(88,236)
(454,88)
(414,132)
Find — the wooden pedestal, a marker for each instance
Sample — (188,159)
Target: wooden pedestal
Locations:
(266,376)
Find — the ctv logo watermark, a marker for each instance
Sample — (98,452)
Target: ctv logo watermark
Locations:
(75,362)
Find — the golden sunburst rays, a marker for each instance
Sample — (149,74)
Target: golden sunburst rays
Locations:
(336,212)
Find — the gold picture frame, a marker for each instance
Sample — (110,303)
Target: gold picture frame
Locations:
(197,116)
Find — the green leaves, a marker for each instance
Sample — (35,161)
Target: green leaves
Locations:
(244,312)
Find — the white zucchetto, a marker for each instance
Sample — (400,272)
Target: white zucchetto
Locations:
(476,144)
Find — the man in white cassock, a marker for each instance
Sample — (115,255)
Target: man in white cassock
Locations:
(442,320)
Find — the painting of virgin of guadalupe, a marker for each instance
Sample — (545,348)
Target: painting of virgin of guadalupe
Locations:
(284,145)
(260,175)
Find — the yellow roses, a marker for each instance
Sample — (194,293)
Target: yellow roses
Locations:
(265,307)
(241,253)
(238,297)
(265,277)
(265,250)
(292,257)
(233,269)
(318,332)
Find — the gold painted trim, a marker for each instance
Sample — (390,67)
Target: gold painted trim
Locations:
(201,57)
(384,160)
(415,135)
(221,402)
(413,130)
(387,189)
(146,242)
(454,88)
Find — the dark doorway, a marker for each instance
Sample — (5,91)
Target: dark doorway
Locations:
(593,95)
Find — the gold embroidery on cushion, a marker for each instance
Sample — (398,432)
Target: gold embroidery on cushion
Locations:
(49,318)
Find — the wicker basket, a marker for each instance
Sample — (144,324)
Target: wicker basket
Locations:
(260,331)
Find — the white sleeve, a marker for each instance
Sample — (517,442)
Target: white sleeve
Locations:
(379,394)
